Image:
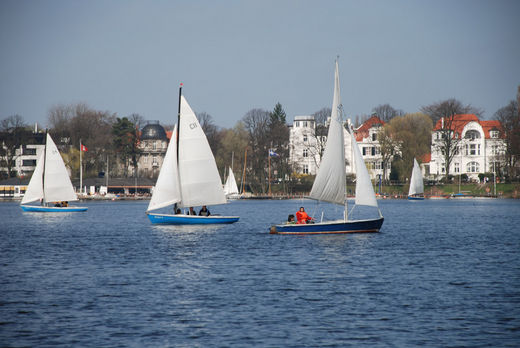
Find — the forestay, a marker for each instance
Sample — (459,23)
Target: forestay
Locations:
(167,189)
(329,185)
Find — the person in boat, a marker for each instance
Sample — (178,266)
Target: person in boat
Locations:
(65,204)
(57,205)
(192,212)
(302,217)
(290,219)
(204,211)
(178,211)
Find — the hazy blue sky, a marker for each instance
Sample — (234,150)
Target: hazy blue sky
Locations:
(130,56)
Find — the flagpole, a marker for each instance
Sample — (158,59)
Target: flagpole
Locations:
(80,167)
(269,160)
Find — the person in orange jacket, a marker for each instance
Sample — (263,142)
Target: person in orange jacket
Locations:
(302,217)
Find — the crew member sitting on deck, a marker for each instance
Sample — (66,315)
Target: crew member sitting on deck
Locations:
(204,211)
(290,219)
(302,216)
(192,212)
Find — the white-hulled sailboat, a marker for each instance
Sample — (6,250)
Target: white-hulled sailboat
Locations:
(416,191)
(50,184)
(189,175)
(330,182)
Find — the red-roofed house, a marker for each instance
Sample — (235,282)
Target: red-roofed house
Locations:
(480,146)
(366,137)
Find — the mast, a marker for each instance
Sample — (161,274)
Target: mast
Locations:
(179,121)
(80,167)
(43,171)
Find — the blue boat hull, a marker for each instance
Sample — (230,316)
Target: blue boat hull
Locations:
(191,219)
(415,198)
(333,227)
(43,209)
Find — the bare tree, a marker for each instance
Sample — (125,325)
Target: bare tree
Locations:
(509,117)
(388,147)
(449,107)
(386,112)
(256,122)
(210,129)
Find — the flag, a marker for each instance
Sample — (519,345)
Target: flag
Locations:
(83,148)
(272,153)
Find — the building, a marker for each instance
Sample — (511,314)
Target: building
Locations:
(25,156)
(307,145)
(153,144)
(480,147)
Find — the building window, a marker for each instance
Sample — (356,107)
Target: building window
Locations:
(29,163)
(304,123)
(494,149)
(297,124)
(471,150)
(494,134)
(494,167)
(305,169)
(305,138)
(378,150)
(472,134)
(478,148)
(373,151)
(374,136)
(457,167)
(154,161)
(305,153)
(28,152)
(473,167)
(378,165)
(154,145)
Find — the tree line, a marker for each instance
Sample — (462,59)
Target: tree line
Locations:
(115,140)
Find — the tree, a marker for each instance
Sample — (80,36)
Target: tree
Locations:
(210,129)
(448,141)
(279,142)
(13,133)
(233,142)
(386,112)
(256,122)
(126,142)
(387,147)
(411,136)
(509,117)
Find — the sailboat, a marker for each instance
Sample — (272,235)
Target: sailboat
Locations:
(189,175)
(416,191)
(330,182)
(230,187)
(50,183)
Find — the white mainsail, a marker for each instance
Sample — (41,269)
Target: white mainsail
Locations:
(365,194)
(167,189)
(230,187)
(329,185)
(198,174)
(34,190)
(50,180)
(416,181)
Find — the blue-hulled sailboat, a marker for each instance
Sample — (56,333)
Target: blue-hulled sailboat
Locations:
(50,184)
(189,176)
(416,191)
(330,182)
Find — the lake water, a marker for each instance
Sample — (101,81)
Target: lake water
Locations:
(442,273)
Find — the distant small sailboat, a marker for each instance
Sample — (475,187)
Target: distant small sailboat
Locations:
(230,187)
(50,184)
(330,182)
(416,191)
(189,175)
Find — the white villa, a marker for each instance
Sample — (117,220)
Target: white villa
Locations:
(306,148)
(480,149)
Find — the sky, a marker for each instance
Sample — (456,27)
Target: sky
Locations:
(129,56)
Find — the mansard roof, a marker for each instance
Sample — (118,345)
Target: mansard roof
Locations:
(460,121)
(363,130)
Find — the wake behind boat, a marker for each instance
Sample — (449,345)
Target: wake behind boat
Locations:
(188,176)
(330,182)
(50,184)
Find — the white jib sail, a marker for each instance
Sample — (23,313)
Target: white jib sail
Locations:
(364,191)
(198,174)
(57,186)
(230,187)
(330,184)
(34,190)
(416,181)
(167,190)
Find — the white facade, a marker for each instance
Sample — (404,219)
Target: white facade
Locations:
(480,150)
(305,147)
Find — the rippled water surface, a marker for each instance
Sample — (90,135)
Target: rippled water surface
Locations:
(441,273)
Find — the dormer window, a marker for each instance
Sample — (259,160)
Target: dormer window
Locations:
(494,134)
(472,135)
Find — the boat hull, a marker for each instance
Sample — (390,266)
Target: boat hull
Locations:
(415,198)
(43,209)
(181,219)
(333,227)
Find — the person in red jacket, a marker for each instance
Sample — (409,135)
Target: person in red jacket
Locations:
(302,217)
